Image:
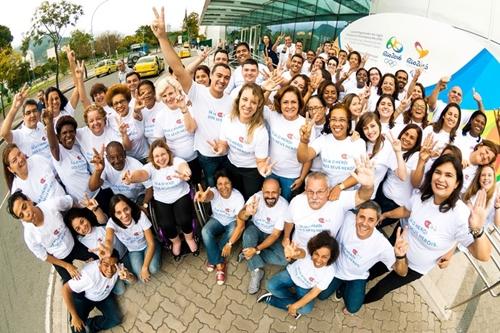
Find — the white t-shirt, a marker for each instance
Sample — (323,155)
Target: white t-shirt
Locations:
(315,133)
(113,178)
(53,236)
(41,183)
(399,190)
(289,51)
(442,138)
(284,138)
(266,219)
(238,80)
(74,171)
(208,112)
(167,187)
(67,111)
(466,143)
(32,141)
(310,222)
(132,236)
(226,210)
(149,117)
(432,233)
(357,256)
(469,174)
(135,133)
(88,141)
(96,236)
(305,275)
(338,156)
(243,154)
(384,160)
(170,125)
(95,285)
(440,105)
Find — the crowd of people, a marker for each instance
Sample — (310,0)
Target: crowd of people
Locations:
(306,158)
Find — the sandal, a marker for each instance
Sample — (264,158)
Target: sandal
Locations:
(220,275)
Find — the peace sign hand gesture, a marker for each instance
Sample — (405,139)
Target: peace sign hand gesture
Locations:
(102,250)
(401,245)
(265,167)
(122,126)
(158,24)
(201,195)
(396,143)
(89,203)
(80,69)
(292,251)
(251,208)
(305,130)
(216,146)
(427,147)
(98,159)
(127,177)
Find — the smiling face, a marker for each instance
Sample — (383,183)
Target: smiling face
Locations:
(317,192)
(477,125)
(290,106)
(224,186)
(242,54)
(355,107)
(95,122)
(296,64)
(417,92)
(487,178)
(321,256)
(169,97)
(81,226)
(418,110)
(371,131)
(248,104)
(116,157)
(123,212)
(361,77)
(107,266)
(366,220)
(160,157)
(299,82)
(374,77)
(31,116)
(385,109)
(25,210)
(147,94)
(271,192)
(354,60)
(330,95)
(201,77)
(455,95)
(451,119)
(409,139)
(314,107)
(219,79)
(443,182)
(250,73)
(482,155)
(120,104)
(132,83)
(388,85)
(402,80)
(17,162)
(67,136)
(338,123)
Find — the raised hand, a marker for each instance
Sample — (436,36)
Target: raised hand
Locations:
(477,215)
(122,126)
(477,97)
(183,173)
(426,150)
(266,167)
(89,203)
(395,142)
(80,69)
(123,273)
(201,195)
(305,130)
(158,24)
(364,172)
(102,250)
(70,54)
(98,159)
(138,106)
(443,82)
(401,245)
(20,97)
(251,207)
(127,177)
(292,251)
(405,103)
(216,146)
(180,102)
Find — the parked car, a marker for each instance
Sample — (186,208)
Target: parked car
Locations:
(184,52)
(133,57)
(105,67)
(149,65)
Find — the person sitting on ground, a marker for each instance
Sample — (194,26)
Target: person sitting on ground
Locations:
(268,212)
(310,274)
(93,290)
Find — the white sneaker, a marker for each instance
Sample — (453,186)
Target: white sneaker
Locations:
(255,278)
(264,298)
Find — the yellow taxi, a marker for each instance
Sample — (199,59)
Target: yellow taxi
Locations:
(105,67)
(149,65)
(185,51)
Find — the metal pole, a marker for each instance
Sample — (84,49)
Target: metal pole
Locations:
(92,25)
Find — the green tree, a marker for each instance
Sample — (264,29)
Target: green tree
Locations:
(190,25)
(129,40)
(25,45)
(144,33)
(107,43)
(81,43)
(13,71)
(49,20)
(5,37)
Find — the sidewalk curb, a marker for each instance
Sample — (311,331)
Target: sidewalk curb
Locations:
(56,315)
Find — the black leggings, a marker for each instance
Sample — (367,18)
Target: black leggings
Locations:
(178,213)
(389,283)
(195,167)
(103,198)
(246,180)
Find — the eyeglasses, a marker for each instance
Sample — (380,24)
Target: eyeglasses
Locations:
(122,102)
(316,193)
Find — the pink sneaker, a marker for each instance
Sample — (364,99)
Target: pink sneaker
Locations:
(210,267)
(220,275)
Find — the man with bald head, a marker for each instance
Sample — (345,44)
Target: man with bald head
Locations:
(269,212)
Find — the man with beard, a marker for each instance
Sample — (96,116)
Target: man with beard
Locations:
(269,212)
(110,174)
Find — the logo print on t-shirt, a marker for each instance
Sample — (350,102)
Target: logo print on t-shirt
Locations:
(290,136)
(56,232)
(44,138)
(344,156)
(268,219)
(427,223)
(311,279)
(136,233)
(241,139)
(228,210)
(354,251)
(169,178)
(42,180)
(78,157)
(321,220)
(220,114)
(153,120)
(178,121)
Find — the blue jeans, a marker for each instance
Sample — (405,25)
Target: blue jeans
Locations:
(210,232)
(285,183)
(211,164)
(109,318)
(274,254)
(279,285)
(135,260)
(353,293)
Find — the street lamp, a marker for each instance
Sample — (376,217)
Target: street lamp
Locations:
(92,25)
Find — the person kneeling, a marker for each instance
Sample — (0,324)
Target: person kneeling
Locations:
(310,274)
(93,290)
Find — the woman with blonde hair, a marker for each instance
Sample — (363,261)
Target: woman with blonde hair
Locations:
(485,179)
(245,138)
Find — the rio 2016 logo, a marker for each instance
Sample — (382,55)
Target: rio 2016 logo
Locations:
(394,44)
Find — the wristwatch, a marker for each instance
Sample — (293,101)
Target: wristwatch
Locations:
(145,205)
(341,186)
(476,233)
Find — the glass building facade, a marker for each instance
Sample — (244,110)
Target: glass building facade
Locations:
(311,21)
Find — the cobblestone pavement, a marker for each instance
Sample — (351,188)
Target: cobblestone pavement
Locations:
(183,297)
